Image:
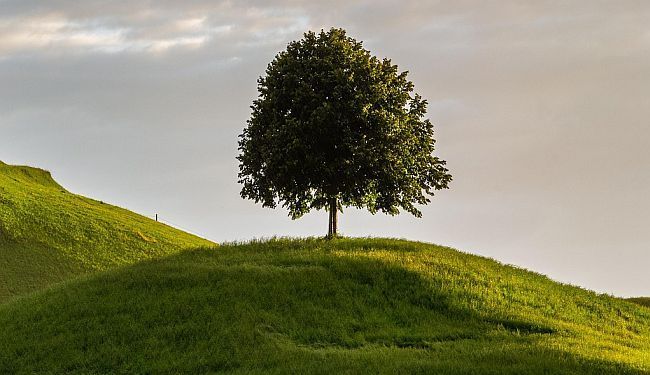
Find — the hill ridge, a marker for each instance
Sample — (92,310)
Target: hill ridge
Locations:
(48,234)
(27,174)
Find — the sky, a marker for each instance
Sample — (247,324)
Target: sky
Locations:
(541,109)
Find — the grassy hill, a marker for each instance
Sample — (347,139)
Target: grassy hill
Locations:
(313,306)
(86,287)
(48,234)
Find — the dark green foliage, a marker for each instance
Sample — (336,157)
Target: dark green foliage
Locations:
(334,126)
(356,306)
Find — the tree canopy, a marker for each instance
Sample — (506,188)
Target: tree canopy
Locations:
(334,126)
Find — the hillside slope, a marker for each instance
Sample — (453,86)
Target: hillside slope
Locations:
(48,234)
(313,306)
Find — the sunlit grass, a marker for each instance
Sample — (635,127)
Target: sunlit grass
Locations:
(48,234)
(346,305)
(86,287)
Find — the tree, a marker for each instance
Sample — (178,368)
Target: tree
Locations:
(333,127)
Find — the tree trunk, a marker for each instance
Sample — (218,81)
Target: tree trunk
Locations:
(333,209)
(329,229)
(335,219)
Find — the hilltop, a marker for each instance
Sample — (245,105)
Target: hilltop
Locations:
(316,306)
(48,234)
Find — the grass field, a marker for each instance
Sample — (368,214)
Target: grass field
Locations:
(347,305)
(86,287)
(48,234)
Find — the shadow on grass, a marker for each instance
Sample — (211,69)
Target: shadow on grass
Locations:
(236,308)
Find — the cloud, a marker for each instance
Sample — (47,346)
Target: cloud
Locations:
(56,34)
(64,28)
(36,33)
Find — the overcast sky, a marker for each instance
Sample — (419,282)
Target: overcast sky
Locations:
(541,109)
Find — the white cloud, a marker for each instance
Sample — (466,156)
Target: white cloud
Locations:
(54,33)
(188,41)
